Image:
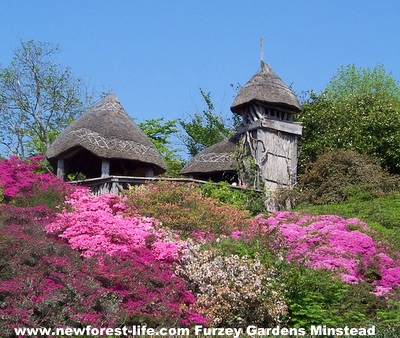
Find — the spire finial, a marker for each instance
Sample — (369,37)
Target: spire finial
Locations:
(262,49)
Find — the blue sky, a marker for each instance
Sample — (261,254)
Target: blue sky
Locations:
(156,54)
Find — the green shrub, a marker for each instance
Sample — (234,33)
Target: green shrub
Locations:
(248,199)
(51,197)
(316,297)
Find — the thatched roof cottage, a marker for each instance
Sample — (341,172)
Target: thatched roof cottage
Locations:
(105,141)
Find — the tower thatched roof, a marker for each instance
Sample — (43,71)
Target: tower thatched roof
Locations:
(220,157)
(107,131)
(266,87)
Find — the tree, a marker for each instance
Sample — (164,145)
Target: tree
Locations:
(206,128)
(160,132)
(38,99)
(359,110)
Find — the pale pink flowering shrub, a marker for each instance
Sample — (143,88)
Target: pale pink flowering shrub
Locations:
(232,291)
(334,243)
(95,224)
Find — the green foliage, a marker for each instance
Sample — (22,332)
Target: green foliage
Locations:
(359,110)
(351,80)
(248,199)
(182,207)
(38,99)
(390,314)
(205,129)
(317,297)
(76,176)
(314,297)
(160,132)
(52,198)
(247,169)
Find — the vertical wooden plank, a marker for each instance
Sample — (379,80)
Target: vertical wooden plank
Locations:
(60,169)
(149,172)
(294,161)
(105,167)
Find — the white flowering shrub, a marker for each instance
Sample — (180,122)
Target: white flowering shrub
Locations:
(232,291)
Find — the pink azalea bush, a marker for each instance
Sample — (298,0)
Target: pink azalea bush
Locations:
(136,246)
(97,224)
(333,243)
(135,256)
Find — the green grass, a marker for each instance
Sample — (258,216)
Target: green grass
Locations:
(381,214)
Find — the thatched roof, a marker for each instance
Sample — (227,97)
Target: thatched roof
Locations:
(217,158)
(267,87)
(107,131)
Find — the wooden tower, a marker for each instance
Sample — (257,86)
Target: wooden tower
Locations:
(267,106)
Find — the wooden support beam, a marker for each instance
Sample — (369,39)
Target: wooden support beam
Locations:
(105,167)
(60,169)
(149,172)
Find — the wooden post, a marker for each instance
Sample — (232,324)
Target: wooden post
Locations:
(60,168)
(105,167)
(149,172)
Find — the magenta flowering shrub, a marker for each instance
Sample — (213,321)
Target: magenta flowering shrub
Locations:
(22,182)
(96,224)
(46,283)
(149,290)
(333,243)
(42,282)
(120,273)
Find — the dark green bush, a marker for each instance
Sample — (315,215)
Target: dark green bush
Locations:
(339,176)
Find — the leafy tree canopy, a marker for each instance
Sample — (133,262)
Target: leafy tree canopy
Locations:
(38,99)
(160,133)
(206,128)
(358,110)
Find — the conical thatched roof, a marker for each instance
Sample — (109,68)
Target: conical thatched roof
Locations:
(267,87)
(107,131)
(217,158)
